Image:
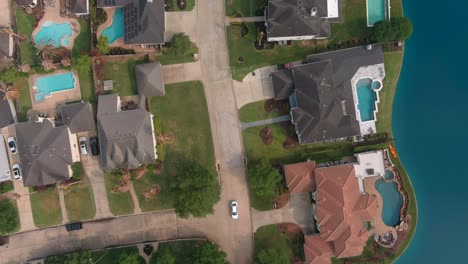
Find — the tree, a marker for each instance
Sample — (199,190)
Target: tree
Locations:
(11,92)
(77,170)
(9,219)
(181,44)
(47,50)
(195,191)
(11,75)
(132,258)
(83,63)
(271,256)
(399,28)
(263,179)
(209,253)
(103,45)
(164,256)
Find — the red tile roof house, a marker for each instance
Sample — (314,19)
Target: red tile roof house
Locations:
(340,210)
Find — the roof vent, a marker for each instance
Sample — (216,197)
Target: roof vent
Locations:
(313,11)
(369,47)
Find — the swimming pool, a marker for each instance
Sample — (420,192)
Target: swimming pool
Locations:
(392,202)
(53,83)
(116,29)
(388,175)
(376,11)
(366,99)
(54,34)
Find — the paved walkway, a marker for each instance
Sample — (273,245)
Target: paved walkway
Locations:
(230,20)
(298,211)
(136,202)
(184,72)
(254,88)
(182,22)
(263,122)
(62,205)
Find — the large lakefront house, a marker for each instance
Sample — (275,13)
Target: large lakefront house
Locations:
(144,20)
(334,95)
(299,19)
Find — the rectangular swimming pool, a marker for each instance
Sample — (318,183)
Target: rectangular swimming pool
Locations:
(54,83)
(376,11)
(366,99)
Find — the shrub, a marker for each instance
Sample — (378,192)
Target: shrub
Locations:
(399,28)
(181,45)
(263,180)
(77,170)
(12,75)
(103,45)
(83,63)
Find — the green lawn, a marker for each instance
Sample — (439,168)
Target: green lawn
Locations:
(87,86)
(267,237)
(9,217)
(112,256)
(82,43)
(123,75)
(256,111)
(119,203)
(25,98)
(174,7)
(192,138)
(24,23)
(253,59)
(354,24)
(6,187)
(46,207)
(79,201)
(181,250)
(245,8)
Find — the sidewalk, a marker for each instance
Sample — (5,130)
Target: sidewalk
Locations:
(278,119)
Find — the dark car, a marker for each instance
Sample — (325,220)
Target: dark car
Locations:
(74,226)
(94,146)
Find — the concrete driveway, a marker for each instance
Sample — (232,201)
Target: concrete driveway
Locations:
(182,72)
(255,88)
(5,13)
(298,211)
(182,22)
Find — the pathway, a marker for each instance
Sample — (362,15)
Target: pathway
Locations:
(136,203)
(184,72)
(263,122)
(24,206)
(62,205)
(255,87)
(298,211)
(230,20)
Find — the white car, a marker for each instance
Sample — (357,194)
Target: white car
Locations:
(17,171)
(234,212)
(83,148)
(12,145)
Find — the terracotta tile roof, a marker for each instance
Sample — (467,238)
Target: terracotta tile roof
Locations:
(341,211)
(300,177)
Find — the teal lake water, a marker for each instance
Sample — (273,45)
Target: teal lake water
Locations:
(430,125)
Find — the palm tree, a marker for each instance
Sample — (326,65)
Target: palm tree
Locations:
(11,92)
(46,50)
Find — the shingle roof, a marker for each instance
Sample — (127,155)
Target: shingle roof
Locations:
(290,18)
(126,137)
(78,117)
(79,6)
(45,152)
(149,79)
(6,116)
(144,21)
(5,41)
(283,83)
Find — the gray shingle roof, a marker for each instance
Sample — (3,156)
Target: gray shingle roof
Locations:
(45,152)
(6,116)
(292,18)
(79,6)
(325,107)
(149,79)
(126,137)
(78,117)
(24,2)
(144,21)
(283,83)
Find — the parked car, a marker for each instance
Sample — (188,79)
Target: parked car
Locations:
(93,141)
(12,145)
(83,147)
(74,226)
(17,171)
(234,212)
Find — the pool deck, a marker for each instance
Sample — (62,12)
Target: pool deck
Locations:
(50,103)
(52,14)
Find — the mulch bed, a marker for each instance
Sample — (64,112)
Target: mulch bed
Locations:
(290,143)
(281,200)
(266,134)
(279,106)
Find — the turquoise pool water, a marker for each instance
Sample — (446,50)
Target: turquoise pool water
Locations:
(392,202)
(388,175)
(376,11)
(116,29)
(54,34)
(53,83)
(366,99)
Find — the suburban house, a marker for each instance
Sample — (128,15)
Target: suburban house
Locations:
(127,138)
(78,117)
(6,49)
(5,174)
(144,20)
(46,152)
(150,81)
(323,93)
(299,19)
(7,111)
(78,7)
(340,210)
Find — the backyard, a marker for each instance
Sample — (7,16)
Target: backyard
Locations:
(119,203)
(189,126)
(245,8)
(24,23)
(46,207)
(79,201)
(25,99)
(82,46)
